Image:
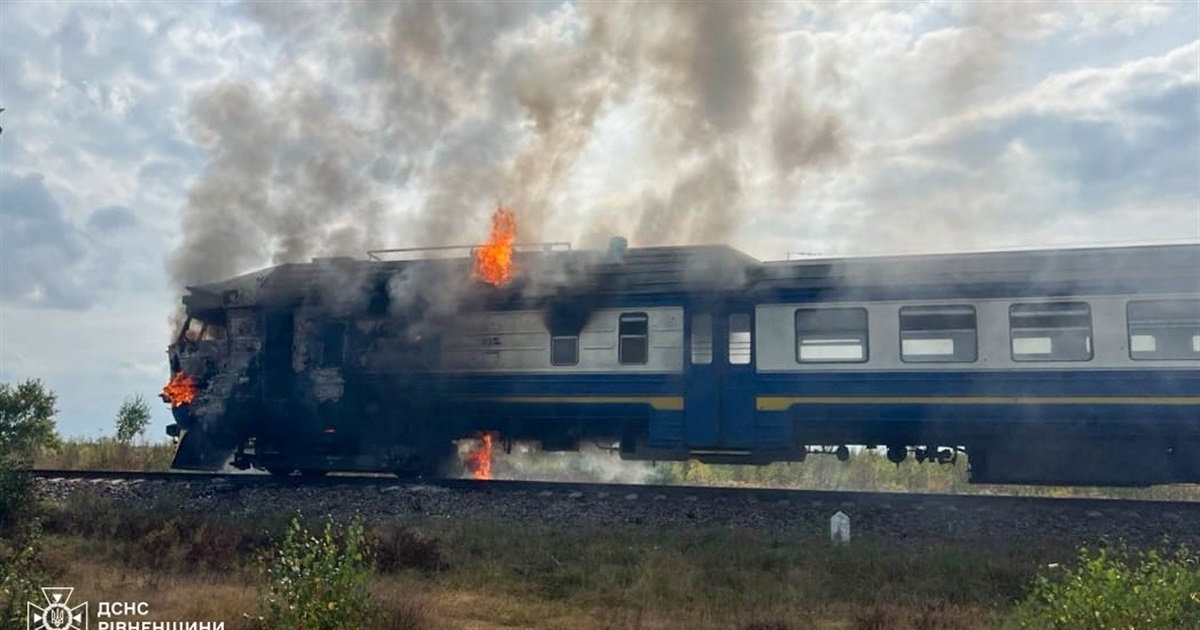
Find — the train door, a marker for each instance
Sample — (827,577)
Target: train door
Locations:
(718,392)
(277,356)
(737,400)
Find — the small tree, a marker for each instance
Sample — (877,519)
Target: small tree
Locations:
(132,419)
(26,423)
(26,418)
(319,582)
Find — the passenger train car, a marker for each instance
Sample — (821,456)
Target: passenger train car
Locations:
(1071,366)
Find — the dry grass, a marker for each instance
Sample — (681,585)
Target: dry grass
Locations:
(928,616)
(442,574)
(411,602)
(105,454)
(436,573)
(172,596)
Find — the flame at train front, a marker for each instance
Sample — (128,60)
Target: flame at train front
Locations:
(180,391)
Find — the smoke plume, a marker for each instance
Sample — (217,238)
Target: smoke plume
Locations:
(427,114)
(404,124)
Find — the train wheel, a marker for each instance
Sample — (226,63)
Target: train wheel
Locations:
(280,471)
(313,473)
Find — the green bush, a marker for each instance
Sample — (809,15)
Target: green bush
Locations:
(21,574)
(18,498)
(26,418)
(318,582)
(20,543)
(1117,589)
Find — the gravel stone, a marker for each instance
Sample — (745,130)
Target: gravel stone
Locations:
(957,519)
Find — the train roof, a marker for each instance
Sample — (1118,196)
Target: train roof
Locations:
(1084,266)
(710,269)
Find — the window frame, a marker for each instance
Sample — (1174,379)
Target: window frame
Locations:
(621,337)
(735,348)
(1046,308)
(864,340)
(692,341)
(333,355)
(1129,329)
(554,357)
(936,358)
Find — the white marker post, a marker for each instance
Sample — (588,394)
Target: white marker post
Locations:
(839,529)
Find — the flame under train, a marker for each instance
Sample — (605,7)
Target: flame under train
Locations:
(1078,366)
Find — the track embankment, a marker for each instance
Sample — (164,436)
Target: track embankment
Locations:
(917,518)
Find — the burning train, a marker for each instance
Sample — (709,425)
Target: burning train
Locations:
(1074,366)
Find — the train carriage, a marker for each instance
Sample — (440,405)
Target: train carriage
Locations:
(1072,366)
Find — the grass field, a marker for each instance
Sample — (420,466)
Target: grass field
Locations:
(438,574)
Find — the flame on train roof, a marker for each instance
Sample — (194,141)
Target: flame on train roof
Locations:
(494,259)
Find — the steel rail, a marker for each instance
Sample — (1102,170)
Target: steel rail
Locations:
(832,498)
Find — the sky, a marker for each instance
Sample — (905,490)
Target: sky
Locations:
(148,146)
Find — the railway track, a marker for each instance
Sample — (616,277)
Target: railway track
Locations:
(644,492)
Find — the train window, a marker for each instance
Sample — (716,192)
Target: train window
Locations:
(702,349)
(241,324)
(491,357)
(564,350)
(1053,331)
(634,339)
(934,334)
(196,330)
(831,335)
(1164,329)
(739,339)
(333,338)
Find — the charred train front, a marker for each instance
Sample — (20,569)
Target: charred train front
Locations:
(310,368)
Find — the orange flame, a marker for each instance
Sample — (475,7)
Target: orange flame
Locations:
(479,460)
(180,391)
(493,260)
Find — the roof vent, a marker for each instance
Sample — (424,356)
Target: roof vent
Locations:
(333,261)
(616,249)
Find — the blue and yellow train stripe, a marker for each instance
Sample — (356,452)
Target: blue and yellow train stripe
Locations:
(783,403)
(661,403)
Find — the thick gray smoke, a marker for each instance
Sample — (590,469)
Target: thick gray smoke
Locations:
(381,124)
(428,114)
(284,183)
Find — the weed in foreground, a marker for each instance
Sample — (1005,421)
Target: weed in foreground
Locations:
(21,544)
(1116,588)
(20,574)
(925,616)
(396,548)
(18,498)
(319,582)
